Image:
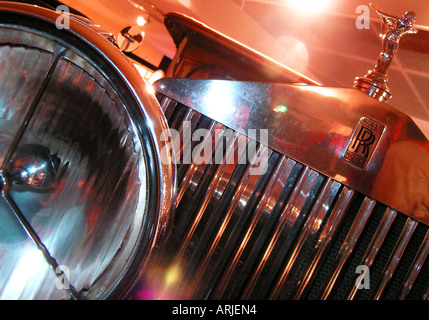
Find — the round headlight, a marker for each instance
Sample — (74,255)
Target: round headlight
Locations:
(85,195)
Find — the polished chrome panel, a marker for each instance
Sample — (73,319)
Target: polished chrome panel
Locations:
(348,246)
(306,237)
(375,82)
(290,233)
(394,259)
(375,245)
(282,236)
(328,232)
(416,267)
(314,125)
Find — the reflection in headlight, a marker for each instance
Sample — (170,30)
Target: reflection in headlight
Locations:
(78,175)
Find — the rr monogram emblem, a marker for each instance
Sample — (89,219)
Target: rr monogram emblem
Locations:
(363,143)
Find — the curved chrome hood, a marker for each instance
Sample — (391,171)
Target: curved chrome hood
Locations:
(342,133)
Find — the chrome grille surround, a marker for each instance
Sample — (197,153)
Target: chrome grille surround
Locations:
(291,233)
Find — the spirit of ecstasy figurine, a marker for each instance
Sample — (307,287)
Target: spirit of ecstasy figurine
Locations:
(375,82)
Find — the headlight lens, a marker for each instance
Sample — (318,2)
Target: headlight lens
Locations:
(77,163)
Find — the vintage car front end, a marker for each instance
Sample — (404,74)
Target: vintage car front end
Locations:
(238,178)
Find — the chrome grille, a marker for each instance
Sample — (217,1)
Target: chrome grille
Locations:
(291,233)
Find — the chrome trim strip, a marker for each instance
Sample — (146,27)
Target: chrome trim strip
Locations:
(286,226)
(167,103)
(189,120)
(375,245)
(312,268)
(416,267)
(426,295)
(238,203)
(348,246)
(395,257)
(215,186)
(238,215)
(263,207)
(195,171)
(305,238)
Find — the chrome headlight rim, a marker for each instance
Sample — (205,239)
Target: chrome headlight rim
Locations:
(145,113)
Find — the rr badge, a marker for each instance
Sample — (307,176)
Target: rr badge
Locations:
(364,141)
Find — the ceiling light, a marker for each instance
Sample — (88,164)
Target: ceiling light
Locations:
(310,6)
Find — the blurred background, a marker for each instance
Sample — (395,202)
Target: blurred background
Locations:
(317,38)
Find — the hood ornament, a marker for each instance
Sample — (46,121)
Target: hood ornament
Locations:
(375,82)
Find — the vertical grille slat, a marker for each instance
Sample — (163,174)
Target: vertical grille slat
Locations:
(415,270)
(426,294)
(348,245)
(288,172)
(245,229)
(394,259)
(289,233)
(314,265)
(375,245)
(282,238)
(227,218)
(193,171)
(206,194)
(243,216)
(306,237)
(211,227)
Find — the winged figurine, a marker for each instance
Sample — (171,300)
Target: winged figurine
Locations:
(374,83)
(394,28)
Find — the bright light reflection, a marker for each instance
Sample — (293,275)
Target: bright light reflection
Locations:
(172,275)
(327,92)
(291,52)
(31,264)
(310,6)
(158,74)
(141,21)
(280,108)
(165,284)
(219,99)
(150,89)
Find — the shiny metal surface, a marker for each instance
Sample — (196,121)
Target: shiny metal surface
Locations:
(375,245)
(374,83)
(79,142)
(130,38)
(289,233)
(348,246)
(314,125)
(306,237)
(312,268)
(204,53)
(395,258)
(416,268)
(34,166)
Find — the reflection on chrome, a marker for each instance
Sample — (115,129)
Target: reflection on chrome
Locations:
(76,178)
(314,125)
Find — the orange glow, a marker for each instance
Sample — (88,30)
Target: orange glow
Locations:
(310,6)
(165,283)
(141,21)
(159,74)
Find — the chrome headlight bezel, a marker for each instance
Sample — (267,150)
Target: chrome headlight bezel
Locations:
(146,115)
